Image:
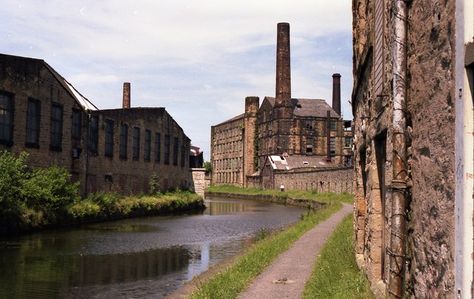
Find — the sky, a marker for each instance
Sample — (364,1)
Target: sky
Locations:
(197,58)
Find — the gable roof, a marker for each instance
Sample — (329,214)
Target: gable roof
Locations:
(308,107)
(298,161)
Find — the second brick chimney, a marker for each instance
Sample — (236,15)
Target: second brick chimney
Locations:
(336,93)
(283,71)
(126,95)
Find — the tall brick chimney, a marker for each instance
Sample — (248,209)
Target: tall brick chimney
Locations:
(126,95)
(283,71)
(336,93)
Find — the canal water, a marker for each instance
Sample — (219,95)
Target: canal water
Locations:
(133,258)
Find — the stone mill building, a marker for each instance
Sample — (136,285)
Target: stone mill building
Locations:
(413,146)
(246,149)
(118,150)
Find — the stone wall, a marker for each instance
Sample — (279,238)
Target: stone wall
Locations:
(324,180)
(200,181)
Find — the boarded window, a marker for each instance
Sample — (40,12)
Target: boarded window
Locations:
(56,127)
(332,146)
(136,143)
(76,124)
(6,119)
(123,141)
(379,47)
(157,147)
(175,150)
(33,115)
(147,149)
(93,134)
(167,149)
(109,138)
(184,150)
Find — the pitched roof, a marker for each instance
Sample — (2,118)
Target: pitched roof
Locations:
(309,107)
(298,161)
(231,119)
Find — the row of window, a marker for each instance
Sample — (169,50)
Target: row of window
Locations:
(223,164)
(235,146)
(109,126)
(33,122)
(228,177)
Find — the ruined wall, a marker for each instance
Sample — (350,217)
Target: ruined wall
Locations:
(432,93)
(200,183)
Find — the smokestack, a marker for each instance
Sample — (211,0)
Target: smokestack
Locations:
(126,95)
(283,73)
(336,93)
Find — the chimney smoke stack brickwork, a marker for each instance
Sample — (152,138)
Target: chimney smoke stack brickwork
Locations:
(126,95)
(283,71)
(336,93)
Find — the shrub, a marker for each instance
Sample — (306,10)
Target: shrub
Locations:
(12,178)
(84,209)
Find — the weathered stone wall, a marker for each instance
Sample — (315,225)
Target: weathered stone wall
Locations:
(429,141)
(200,183)
(129,175)
(432,93)
(324,180)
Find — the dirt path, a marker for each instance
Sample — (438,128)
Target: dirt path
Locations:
(286,276)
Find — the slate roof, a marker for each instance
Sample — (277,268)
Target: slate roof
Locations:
(231,119)
(297,161)
(309,107)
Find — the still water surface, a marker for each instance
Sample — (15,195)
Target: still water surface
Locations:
(134,258)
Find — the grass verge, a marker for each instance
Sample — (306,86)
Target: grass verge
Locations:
(235,278)
(336,274)
(294,194)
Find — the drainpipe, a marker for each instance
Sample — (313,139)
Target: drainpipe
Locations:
(399,181)
(464,167)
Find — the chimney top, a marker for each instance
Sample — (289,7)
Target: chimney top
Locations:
(126,95)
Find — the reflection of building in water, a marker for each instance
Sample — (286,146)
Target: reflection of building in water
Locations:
(199,261)
(228,207)
(117,268)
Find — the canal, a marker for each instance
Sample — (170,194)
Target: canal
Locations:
(133,258)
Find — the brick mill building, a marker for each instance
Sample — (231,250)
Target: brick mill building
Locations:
(413,146)
(117,150)
(281,126)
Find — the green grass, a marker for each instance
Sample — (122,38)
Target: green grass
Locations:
(235,278)
(296,194)
(336,274)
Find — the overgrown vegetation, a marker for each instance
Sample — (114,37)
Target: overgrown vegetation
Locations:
(235,278)
(336,274)
(33,198)
(295,194)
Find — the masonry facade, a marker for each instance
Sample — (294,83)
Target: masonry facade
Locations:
(281,125)
(412,107)
(118,150)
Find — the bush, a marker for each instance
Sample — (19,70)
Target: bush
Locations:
(12,178)
(84,209)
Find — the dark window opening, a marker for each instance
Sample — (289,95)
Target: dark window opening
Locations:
(380,143)
(56,127)
(183,154)
(147,148)
(333,125)
(93,134)
(76,124)
(309,149)
(167,149)
(123,141)
(347,142)
(332,146)
(6,119)
(175,151)
(33,115)
(109,138)
(157,147)
(136,143)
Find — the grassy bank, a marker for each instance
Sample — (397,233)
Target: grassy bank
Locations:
(235,278)
(336,274)
(294,194)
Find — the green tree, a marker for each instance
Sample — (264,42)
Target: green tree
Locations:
(208,166)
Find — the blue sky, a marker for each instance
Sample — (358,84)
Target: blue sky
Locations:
(198,59)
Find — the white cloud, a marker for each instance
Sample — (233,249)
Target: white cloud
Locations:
(199,59)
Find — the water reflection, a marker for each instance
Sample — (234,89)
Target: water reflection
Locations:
(147,257)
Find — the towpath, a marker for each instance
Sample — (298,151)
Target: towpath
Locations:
(286,276)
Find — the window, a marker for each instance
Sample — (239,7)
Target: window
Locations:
(147,145)
(167,149)
(123,141)
(76,124)
(33,123)
(183,154)
(332,146)
(109,138)
(157,147)
(309,125)
(93,134)
(309,149)
(6,119)
(56,127)
(333,125)
(347,142)
(175,150)
(136,143)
